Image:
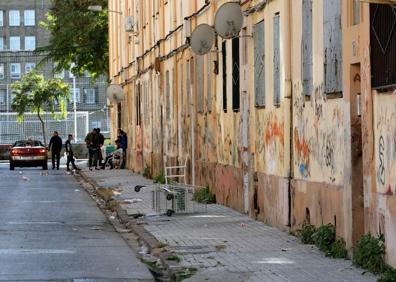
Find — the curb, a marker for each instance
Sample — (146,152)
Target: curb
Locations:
(138,229)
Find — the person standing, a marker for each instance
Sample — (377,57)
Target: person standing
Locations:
(69,153)
(101,140)
(55,146)
(123,138)
(92,144)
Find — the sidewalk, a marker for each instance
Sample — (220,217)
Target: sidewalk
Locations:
(224,244)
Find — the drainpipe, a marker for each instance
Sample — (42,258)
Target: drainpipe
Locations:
(290,83)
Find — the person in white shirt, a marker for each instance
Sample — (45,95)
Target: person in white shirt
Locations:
(116,155)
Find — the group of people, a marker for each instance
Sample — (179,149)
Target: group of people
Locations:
(55,146)
(95,142)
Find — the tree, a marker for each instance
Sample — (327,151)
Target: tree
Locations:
(79,37)
(34,93)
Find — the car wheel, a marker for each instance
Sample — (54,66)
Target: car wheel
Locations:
(45,166)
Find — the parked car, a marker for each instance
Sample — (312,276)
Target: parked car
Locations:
(28,153)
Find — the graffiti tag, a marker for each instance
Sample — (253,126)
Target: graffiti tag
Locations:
(381,169)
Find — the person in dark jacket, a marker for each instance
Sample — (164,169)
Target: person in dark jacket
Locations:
(55,146)
(69,153)
(101,140)
(123,139)
(92,142)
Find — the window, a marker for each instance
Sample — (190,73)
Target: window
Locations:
(307,47)
(90,95)
(1,18)
(1,43)
(332,37)
(1,71)
(356,12)
(14,18)
(236,84)
(277,74)
(29,18)
(3,98)
(15,43)
(15,71)
(78,95)
(29,67)
(259,64)
(30,43)
(224,59)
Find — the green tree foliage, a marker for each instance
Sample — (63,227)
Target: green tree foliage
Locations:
(79,37)
(34,93)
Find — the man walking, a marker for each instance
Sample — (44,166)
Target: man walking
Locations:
(123,138)
(92,142)
(69,153)
(55,146)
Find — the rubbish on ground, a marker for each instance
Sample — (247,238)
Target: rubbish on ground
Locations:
(76,190)
(44,173)
(220,247)
(96,228)
(112,217)
(25,178)
(133,201)
(20,172)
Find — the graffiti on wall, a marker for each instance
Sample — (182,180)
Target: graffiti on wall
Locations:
(385,144)
(318,137)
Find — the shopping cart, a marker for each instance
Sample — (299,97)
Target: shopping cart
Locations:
(174,198)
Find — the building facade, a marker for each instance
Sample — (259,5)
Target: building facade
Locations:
(20,35)
(281,122)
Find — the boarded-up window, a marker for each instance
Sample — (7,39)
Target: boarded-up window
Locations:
(332,34)
(259,64)
(200,83)
(277,74)
(167,95)
(236,84)
(307,46)
(224,60)
(137,104)
(208,83)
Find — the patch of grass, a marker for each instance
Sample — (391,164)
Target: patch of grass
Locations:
(147,171)
(160,178)
(184,274)
(369,254)
(338,249)
(389,275)
(205,196)
(105,194)
(305,233)
(161,245)
(324,237)
(112,205)
(174,258)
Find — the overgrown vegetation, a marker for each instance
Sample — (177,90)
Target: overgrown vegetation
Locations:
(174,258)
(389,275)
(324,238)
(147,171)
(306,232)
(184,274)
(205,196)
(369,253)
(160,178)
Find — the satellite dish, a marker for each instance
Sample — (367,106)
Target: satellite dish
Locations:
(229,20)
(202,39)
(115,93)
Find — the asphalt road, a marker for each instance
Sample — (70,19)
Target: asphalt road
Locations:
(51,230)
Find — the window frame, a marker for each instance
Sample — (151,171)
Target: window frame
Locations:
(32,66)
(12,73)
(29,39)
(12,17)
(87,94)
(2,71)
(11,43)
(27,19)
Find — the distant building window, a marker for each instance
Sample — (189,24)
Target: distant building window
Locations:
(29,18)
(1,18)
(14,18)
(1,71)
(78,95)
(29,67)
(90,95)
(30,43)
(356,12)
(15,43)
(15,71)
(3,94)
(1,43)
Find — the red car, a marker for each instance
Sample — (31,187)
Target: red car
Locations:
(28,153)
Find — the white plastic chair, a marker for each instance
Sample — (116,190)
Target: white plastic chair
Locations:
(176,172)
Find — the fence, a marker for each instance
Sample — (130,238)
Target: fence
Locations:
(11,130)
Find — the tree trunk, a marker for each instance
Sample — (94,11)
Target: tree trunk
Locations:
(42,128)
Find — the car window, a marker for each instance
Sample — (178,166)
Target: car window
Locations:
(28,143)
